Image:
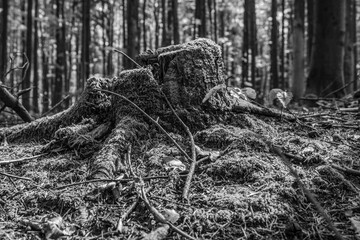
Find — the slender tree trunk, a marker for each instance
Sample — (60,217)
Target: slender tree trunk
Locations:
(132,30)
(245,50)
(310,28)
(282,54)
(298,46)
(210,8)
(354,40)
(253,42)
(274,48)
(157,25)
(163,19)
(27,80)
(35,99)
(200,16)
(60,57)
(144,26)
(176,21)
(215,22)
(85,45)
(45,69)
(349,63)
(327,62)
(104,35)
(169,23)
(125,36)
(110,34)
(4,5)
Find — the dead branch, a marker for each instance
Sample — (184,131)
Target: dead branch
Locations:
(15,176)
(308,194)
(20,159)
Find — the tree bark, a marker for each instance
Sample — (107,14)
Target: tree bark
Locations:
(157,25)
(215,22)
(349,62)
(245,50)
(200,17)
(298,46)
(274,48)
(27,79)
(253,42)
(132,31)
(4,5)
(176,21)
(35,99)
(85,43)
(60,57)
(327,62)
(144,26)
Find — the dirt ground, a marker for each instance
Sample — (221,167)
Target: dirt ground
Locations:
(240,189)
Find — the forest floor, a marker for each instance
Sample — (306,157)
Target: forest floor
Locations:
(242,191)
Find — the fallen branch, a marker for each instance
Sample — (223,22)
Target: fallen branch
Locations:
(308,194)
(346,169)
(193,153)
(158,216)
(21,159)
(15,176)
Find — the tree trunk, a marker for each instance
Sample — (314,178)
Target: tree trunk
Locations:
(124,31)
(215,22)
(169,23)
(274,48)
(35,99)
(132,30)
(163,19)
(27,79)
(60,57)
(85,43)
(327,62)
(176,21)
(157,25)
(282,53)
(144,26)
(310,29)
(253,42)
(298,46)
(354,31)
(4,5)
(349,62)
(110,34)
(245,50)
(200,17)
(45,67)
(210,8)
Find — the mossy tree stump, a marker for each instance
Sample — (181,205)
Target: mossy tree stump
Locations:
(104,125)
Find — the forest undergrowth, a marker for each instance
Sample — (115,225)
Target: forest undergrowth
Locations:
(240,188)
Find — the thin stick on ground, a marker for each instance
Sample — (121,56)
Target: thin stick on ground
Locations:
(151,119)
(20,159)
(15,176)
(158,216)
(308,194)
(193,153)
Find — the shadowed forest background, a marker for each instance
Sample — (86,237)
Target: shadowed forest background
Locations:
(307,47)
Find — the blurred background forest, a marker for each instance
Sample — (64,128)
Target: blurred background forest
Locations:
(50,47)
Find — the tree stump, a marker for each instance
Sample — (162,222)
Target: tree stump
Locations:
(104,125)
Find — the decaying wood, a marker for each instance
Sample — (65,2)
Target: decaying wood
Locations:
(107,124)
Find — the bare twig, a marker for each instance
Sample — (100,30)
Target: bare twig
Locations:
(193,153)
(119,225)
(308,194)
(55,106)
(15,176)
(346,169)
(20,159)
(158,216)
(151,119)
(124,180)
(121,52)
(128,159)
